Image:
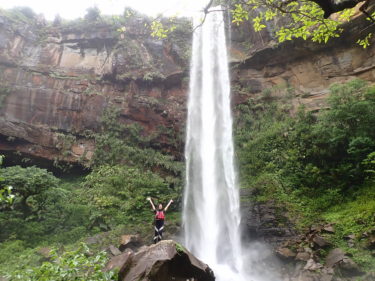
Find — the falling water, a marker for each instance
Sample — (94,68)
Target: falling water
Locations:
(211,213)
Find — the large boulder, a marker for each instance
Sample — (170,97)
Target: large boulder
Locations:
(165,261)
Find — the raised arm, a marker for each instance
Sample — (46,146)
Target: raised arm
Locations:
(152,203)
(169,203)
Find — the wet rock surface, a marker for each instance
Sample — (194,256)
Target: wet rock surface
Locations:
(264,221)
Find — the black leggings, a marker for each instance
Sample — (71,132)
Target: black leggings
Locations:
(159,226)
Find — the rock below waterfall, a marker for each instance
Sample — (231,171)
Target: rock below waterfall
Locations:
(165,261)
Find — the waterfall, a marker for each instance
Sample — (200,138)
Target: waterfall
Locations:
(211,214)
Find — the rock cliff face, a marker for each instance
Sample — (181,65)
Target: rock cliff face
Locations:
(306,67)
(56,81)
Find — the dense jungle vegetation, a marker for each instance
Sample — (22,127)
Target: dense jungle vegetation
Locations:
(317,166)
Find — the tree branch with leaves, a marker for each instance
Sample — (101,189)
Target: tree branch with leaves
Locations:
(306,19)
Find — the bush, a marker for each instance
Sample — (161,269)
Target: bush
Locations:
(309,162)
(92,14)
(41,210)
(117,194)
(319,152)
(28,186)
(79,264)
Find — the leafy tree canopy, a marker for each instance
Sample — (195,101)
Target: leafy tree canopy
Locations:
(28,181)
(307,19)
(28,185)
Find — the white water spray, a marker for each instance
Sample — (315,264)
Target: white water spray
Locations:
(211,214)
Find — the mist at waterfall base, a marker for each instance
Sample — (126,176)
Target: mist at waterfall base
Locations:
(211,211)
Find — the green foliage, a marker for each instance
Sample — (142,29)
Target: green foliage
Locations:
(151,76)
(179,248)
(49,212)
(365,41)
(310,151)
(299,19)
(93,14)
(309,162)
(15,255)
(117,194)
(29,185)
(356,214)
(314,167)
(78,264)
(369,164)
(6,196)
(159,30)
(353,217)
(25,11)
(110,198)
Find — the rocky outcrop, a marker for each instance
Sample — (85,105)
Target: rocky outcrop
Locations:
(265,221)
(165,261)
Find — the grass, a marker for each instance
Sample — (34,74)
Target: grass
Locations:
(15,255)
(180,249)
(355,216)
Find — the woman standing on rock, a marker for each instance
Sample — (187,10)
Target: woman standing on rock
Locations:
(159,219)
